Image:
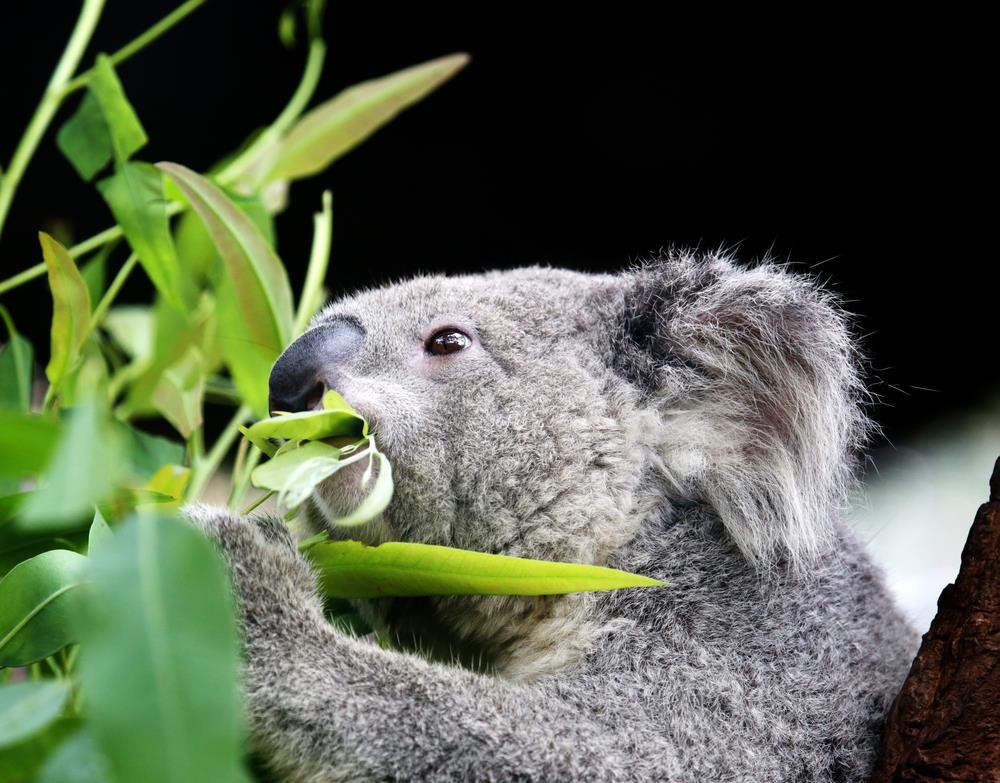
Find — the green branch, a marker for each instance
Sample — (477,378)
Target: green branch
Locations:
(47,107)
(142,41)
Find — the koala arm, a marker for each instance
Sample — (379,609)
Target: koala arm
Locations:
(326,706)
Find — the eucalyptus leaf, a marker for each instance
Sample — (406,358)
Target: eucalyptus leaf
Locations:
(22,762)
(159,658)
(70,308)
(16,546)
(82,473)
(310,425)
(126,132)
(341,123)
(16,359)
(39,604)
(10,505)
(295,473)
(179,394)
(144,454)
(171,481)
(135,195)
(99,535)
(174,333)
(27,442)
(350,569)
(131,326)
(378,497)
(28,707)
(95,273)
(85,138)
(255,305)
(76,760)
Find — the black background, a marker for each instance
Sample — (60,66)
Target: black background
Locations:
(848,140)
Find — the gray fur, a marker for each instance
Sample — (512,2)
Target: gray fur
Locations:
(690,420)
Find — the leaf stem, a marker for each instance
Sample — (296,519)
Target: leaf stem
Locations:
(51,98)
(109,296)
(136,44)
(84,247)
(257,503)
(244,162)
(319,261)
(242,481)
(203,469)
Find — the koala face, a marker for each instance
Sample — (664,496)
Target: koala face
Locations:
(549,414)
(492,397)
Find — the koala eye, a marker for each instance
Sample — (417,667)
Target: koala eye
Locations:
(445,341)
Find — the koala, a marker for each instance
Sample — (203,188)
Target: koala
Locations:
(689,419)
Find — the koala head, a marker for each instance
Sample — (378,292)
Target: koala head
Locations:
(547,413)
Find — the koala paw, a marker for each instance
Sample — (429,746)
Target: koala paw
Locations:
(274,586)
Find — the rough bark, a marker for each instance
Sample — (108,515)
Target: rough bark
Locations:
(945,723)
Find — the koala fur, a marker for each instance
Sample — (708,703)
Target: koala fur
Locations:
(690,420)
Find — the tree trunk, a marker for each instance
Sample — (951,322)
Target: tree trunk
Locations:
(945,723)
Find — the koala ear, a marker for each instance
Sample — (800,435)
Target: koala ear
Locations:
(753,374)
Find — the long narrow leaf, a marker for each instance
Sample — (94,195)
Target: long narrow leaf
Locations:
(257,314)
(16,359)
(70,308)
(159,659)
(135,195)
(347,119)
(350,569)
(81,475)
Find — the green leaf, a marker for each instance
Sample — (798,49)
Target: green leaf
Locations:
(341,123)
(10,504)
(179,394)
(145,454)
(16,547)
(131,326)
(126,132)
(350,569)
(170,481)
(76,760)
(295,473)
(70,308)
(175,332)
(16,359)
(255,307)
(20,763)
(28,707)
(377,499)
(103,127)
(26,443)
(310,425)
(135,195)
(82,473)
(159,659)
(39,603)
(99,535)
(85,138)
(95,273)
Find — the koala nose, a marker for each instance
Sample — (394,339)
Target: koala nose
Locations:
(311,365)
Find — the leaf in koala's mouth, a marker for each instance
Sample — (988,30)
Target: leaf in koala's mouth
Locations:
(316,445)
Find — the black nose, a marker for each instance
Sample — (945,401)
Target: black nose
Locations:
(312,364)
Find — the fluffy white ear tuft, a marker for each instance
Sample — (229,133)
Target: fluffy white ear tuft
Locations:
(754,375)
